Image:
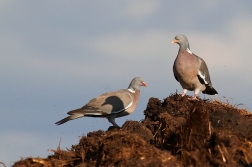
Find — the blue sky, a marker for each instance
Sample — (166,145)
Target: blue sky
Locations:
(57,55)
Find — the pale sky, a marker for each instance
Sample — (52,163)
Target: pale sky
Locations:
(57,55)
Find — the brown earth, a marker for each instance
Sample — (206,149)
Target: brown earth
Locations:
(175,132)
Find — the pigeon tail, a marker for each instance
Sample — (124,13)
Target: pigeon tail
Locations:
(209,90)
(71,117)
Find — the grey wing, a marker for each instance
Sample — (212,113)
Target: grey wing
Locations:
(108,103)
(117,102)
(203,73)
(174,73)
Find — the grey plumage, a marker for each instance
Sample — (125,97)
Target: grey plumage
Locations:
(110,105)
(190,70)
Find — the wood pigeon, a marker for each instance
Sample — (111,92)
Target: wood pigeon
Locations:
(110,105)
(190,70)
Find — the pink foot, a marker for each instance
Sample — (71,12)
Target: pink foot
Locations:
(194,97)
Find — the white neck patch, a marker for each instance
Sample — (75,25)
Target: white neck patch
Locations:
(132,91)
(188,50)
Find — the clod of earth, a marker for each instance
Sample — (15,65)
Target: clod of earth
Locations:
(175,132)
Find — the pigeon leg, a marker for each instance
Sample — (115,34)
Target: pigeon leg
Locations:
(196,92)
(184,92)
(111,119)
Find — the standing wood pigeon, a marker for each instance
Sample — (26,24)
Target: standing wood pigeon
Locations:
(110,105)
(190,70)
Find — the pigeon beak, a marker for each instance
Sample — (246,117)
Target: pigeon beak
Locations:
(144,84)
(174,41)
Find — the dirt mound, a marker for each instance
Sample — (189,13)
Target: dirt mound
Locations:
(175,132)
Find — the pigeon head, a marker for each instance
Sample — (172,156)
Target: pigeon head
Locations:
(136,83)
(182,41)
